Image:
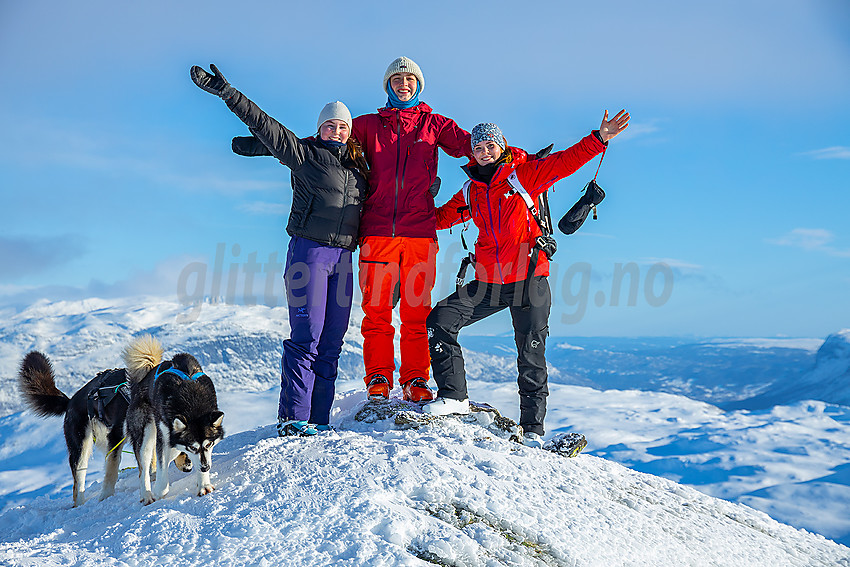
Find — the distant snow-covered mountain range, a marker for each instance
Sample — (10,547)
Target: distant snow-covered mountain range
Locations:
(240,346)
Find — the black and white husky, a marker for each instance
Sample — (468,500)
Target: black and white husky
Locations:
(173,409)
(93,416)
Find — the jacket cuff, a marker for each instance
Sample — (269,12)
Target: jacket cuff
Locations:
(598,137)
(227,92)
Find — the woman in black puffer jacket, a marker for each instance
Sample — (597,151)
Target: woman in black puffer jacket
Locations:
(329,176)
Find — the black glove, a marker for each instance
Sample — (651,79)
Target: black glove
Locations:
(215,84)
(249,146)
(575,217)
(435,187)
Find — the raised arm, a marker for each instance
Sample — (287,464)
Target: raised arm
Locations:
(280,141)
(538,175)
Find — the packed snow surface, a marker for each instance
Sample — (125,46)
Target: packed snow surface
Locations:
(453,494)
(449,493)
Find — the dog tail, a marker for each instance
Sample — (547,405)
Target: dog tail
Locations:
(38,386)
(140,356)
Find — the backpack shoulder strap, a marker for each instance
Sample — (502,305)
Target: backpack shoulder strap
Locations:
(516,187)
(465,190)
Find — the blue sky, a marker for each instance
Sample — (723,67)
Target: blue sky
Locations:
(731,187)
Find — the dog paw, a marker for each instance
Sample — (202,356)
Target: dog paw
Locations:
(147,499)
(205,489)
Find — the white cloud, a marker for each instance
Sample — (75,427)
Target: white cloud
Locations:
(26,255)
(88,147)
(811,239)
(834,152)
(264,208)
(161,280)
(674,264)
(805,238)
(638,129)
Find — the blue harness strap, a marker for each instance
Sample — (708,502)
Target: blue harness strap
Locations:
(177,372)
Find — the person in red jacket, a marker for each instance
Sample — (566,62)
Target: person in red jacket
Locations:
(398,236)
(504,252)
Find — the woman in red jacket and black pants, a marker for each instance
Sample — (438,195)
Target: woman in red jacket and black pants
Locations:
(506,237)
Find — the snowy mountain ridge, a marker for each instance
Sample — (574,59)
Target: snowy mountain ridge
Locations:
(829,380)
(369,494)
(240,346)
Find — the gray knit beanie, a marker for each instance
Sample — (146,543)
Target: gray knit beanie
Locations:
(334,111)
(487,131)
(404,65)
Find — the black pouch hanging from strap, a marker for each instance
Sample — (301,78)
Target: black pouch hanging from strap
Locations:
(593,195)
(575,217)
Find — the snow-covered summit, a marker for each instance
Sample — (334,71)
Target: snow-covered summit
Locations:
(368,494)
(828,380)
(836,347)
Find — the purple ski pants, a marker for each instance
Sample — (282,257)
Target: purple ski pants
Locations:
(319,285)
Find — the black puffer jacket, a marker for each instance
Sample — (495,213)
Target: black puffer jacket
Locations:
(327,190)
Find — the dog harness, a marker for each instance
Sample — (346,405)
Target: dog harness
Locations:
(177,372)
(112,383)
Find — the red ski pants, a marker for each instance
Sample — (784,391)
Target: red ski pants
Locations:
(396,271)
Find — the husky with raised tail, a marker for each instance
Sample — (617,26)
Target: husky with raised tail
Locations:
(93,416)
(173,409)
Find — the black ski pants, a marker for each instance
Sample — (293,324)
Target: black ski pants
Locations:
(530,317)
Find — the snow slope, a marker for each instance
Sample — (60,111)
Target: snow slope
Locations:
(792,460)
(368,494)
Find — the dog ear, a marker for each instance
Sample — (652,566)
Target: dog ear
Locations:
(179,424)
(216,417)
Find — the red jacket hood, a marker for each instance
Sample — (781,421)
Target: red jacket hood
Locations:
(518,156)
(389,111)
